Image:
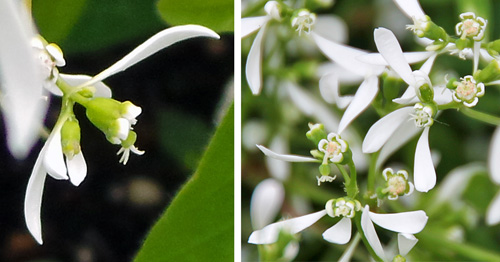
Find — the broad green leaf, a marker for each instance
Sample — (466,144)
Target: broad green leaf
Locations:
(178,125)
(107,23)
(217,15)
(198,225)
(56,18)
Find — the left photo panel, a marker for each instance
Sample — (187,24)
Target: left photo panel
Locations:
(117,131)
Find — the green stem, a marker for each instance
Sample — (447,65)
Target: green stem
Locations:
(71,92)
(430,238)
(344,173)
(486,118)
(352,186)
(372,171)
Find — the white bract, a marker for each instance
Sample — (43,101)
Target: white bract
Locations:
(493,212)
(21,79)
(51,161)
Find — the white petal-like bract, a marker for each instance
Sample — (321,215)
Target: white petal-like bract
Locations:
(494,157)
(371,234)
(269,234)
(411,8)
(389,48)
(383,129)
(289,158)
(101,89)
(340,233)
(77,169)
(154,44)
(405,222)
(21,80)
(266,202)
(493,212)
(424,173)
(406,242)
(362,99)
(252,24)
(53,158)
(253,68)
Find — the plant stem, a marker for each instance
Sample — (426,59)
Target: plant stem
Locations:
(352,186)
(486,118)
(372,171)
(473,252)
(344,173)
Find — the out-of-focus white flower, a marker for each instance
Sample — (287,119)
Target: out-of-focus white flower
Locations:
(493,212)
(51,161)
(21,79)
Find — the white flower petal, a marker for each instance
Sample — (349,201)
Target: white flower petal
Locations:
(389,48)
(427,66)
(269,234)
(332,28)
(252,24)
(406,131)
(404,222)
(21,81)
(101,89)
(77,169)
(493,212)
(362,99)
(284,157)
(329,89)
(340,233)
(406,242)
(344,76)
(410,57)
(33,199)
(424,173)
(253,68)
(411,8)
(345,56)
(277,168)
(53,159)
(408,97)
(154,44)
(311,106)
(371,234)
(267,199)
(442,95)
(456,181)
(384,128)
(494,157)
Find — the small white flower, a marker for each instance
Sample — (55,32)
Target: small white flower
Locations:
(126,153)
(333,147)
(397,183)
(304,21)
(422,115)
(406,222)
(468,91)
(420,25)
(323,179)
(471,26)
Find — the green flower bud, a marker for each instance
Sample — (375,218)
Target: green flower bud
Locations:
(70,138)
(490,73)
(316,133)
(399,258)
(493,47)
(426,93)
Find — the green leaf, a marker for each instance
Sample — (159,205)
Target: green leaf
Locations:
(198,225)
(217,15)
(56,18)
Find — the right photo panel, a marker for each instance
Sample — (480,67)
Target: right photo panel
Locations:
(370,130)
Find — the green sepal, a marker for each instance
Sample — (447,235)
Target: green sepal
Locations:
(70,137)
(426,93)
(435,32)
(316,133)
(130,141)
(490,73)
(317,154)
(493,47)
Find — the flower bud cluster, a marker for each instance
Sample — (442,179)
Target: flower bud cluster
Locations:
(345,207)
